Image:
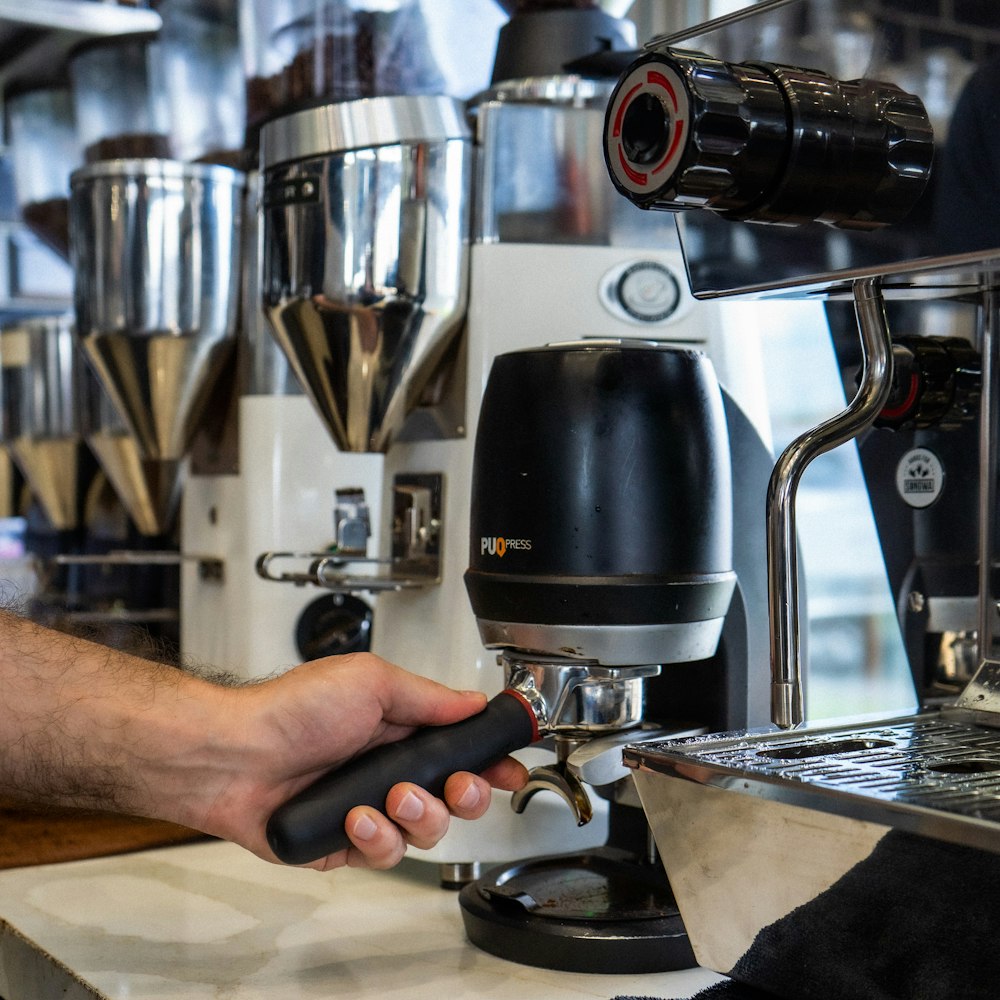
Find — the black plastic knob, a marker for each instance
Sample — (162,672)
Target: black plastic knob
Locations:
(762,142)
(936,382)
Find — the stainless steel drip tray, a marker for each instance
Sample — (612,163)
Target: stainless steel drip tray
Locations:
(935,774)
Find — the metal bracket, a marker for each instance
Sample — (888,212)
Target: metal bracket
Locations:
(209,567)
(981,696)
(327,570)
(416,548)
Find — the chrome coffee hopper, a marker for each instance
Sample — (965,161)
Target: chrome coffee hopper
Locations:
(366,228)
(365,246)
(42,391)
(155,251)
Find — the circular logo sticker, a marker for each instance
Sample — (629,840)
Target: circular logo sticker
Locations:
(919,477)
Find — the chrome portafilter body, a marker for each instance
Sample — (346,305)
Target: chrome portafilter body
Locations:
(574,701)
(574,697)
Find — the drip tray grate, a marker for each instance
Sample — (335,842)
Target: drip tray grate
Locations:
(936,773)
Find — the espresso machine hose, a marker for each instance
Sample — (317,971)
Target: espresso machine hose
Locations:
(311,824)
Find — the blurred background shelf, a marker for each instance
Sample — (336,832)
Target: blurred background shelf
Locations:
(35,36)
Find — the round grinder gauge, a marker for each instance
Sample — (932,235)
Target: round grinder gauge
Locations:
(648,292)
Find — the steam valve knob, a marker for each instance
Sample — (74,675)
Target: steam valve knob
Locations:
(936,382)
(765,142)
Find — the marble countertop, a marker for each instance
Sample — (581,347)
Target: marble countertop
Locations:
(209,920)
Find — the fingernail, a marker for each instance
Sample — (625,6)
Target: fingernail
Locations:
(365,828)
(469,798)
(411,808)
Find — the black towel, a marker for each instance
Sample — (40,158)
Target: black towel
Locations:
(916,920)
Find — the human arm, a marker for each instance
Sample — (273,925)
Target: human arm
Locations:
(81,724)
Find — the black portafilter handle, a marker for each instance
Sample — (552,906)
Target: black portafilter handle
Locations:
(311,825)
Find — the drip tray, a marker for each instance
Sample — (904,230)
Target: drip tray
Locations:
(934,774)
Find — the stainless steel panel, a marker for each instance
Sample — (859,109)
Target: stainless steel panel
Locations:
(935,774)
(799,875)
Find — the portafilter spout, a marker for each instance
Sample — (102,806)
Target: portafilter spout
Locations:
(577,700)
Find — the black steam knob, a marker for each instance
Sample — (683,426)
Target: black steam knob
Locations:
(936,382)
(765,143)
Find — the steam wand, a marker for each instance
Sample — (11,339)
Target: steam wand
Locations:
(782,562)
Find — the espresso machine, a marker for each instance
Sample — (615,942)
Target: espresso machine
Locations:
(854,859)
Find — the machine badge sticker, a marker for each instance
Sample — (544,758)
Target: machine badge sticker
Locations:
(647,90)
(291,191)
(919,477)
(498,545)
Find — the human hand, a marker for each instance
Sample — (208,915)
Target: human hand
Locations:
(316,717)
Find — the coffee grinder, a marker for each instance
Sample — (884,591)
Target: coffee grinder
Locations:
(367,210)
(155,248)
(554,255)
